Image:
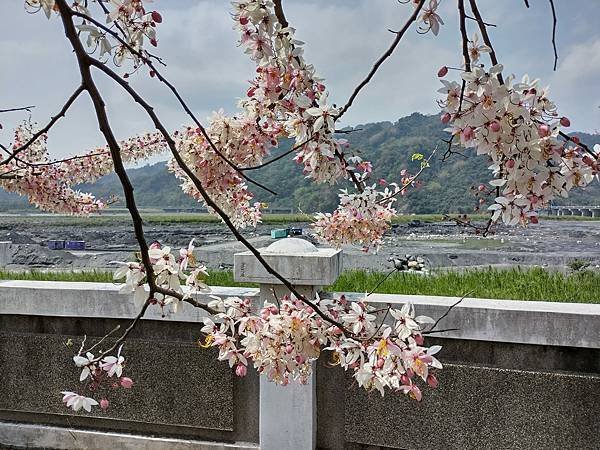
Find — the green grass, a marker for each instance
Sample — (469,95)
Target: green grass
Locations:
(515,284)
(99,276)
(157,217)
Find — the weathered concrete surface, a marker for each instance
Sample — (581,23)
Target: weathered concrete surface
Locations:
(181,390)
(101,300)
(542,323)
(182,384)
(299,261)
(473,408)
(39,436)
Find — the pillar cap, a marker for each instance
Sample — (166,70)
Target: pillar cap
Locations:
(298,260)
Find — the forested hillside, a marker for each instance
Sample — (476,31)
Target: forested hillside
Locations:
(446,185)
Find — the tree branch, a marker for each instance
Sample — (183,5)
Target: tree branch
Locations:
(381,60)
(50,124)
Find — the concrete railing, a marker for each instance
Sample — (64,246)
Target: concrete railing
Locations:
(517,375)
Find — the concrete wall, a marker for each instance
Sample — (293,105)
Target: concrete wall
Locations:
(517,375)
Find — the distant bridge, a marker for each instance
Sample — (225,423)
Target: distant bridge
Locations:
(581,211)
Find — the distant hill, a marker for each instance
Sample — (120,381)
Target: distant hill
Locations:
(387,145)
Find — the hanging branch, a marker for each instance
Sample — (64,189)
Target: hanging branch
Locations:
(22,108)
(554,33)
(44,130)
(177,95)
(381,60)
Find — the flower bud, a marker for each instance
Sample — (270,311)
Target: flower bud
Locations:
(468,133)
(565,122)
(510,163)
(446,118)
(380,363)
(442,72)
(241,370)
(156,16)
(289,348)
(481,188)
(432,381)
(126,382)
(419,339)
(104,404)
(244,20)
(533,219)
(495,126)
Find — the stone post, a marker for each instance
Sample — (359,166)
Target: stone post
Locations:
(288,413)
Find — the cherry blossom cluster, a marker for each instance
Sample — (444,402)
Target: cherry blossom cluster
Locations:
(361,218)
(101,375)
(48,184)
(517,126)
(169,271)
(283,340)
(127,18)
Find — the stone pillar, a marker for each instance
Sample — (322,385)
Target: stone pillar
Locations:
(288,414)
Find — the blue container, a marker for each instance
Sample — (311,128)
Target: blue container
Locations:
(280,233)
(75,245)
(56,245)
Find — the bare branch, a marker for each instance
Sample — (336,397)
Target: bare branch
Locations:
(178,96)
(485,36)
(381,60)
(554,33)
(50,124)
(22,108)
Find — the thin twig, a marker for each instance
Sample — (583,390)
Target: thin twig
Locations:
(446,313)
(381,60)
(22,108)
(554,33)
(179,98)
(44,130)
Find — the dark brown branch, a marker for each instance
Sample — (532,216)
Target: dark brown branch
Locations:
(198,184)
(485,35)
(179,98)
(87,82)
(280,14)
(381,60)
(278,157)
(44,130)
(450,308)
(22,108)
(526,3)
(566,137)
(554,33)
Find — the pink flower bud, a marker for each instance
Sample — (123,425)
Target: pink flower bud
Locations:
(244,20)
(126,382)
(419,339)
(468,133)
(543,130)
(510,163)
(156,16)
(575,139)
(495,126)
(432,381)
(289,348)
(104,404)
(241,370)
(565,122)
(446,118)
(533,219)
(380,363)
(442,72)
(481,188)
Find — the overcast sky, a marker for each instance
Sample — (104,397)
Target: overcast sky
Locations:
(343,39)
